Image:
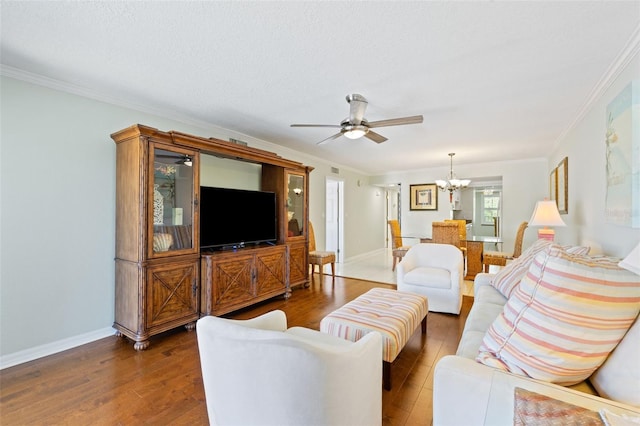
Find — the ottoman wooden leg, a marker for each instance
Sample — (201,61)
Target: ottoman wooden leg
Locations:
(386,375)
(424,325)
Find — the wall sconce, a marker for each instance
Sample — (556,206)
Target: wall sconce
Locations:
(546,214)
(297,191)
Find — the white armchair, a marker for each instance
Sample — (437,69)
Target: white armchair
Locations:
(256,372)
(435,271)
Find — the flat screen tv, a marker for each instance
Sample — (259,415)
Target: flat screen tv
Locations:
(233,218)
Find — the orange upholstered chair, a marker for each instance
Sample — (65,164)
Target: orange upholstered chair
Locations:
(320,258)
(397,249)
(500,258)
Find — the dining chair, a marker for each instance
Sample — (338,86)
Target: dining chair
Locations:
(397,249)
(462,231)
(499,258)
(445,233)
(318,257)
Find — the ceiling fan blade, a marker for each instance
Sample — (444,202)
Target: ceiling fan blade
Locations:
(330,138)
(357,107)
(377,138)
(316,125)
(181,158)
(416,119)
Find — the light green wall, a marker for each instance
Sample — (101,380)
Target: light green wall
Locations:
(57,217)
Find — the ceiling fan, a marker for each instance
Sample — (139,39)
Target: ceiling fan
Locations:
(356,126)
(181,159)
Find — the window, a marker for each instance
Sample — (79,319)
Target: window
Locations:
(490,202)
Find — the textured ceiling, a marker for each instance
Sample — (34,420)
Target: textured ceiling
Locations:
(494,80)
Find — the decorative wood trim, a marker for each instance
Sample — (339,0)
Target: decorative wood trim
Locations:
(211,146)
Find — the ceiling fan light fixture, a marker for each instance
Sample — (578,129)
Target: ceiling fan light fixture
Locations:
(356,125)
(187,161)
(355,132)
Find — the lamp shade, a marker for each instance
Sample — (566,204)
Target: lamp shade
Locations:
(632,261)
(546,214)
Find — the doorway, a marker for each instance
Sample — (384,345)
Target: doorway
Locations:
(334,217)
(392,210)
(487,209)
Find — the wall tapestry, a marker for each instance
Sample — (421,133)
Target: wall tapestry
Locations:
(622,203)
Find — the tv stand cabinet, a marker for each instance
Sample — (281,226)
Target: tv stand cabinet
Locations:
(162,279)
(232,280)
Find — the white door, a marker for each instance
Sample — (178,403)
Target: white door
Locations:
(334,238)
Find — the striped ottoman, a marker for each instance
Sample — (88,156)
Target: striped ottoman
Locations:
(394,314)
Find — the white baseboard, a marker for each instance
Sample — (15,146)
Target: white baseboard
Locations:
(364,255)
(30,354)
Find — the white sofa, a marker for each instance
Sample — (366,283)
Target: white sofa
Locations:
(469,393)
(258,372)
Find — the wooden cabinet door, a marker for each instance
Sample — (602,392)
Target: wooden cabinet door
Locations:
(270,266)
(298,265)
(171,294)
(232,281)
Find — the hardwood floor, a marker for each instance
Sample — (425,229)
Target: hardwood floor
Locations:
(108,383)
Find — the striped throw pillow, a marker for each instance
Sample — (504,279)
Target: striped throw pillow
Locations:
(568,313)
(508,278)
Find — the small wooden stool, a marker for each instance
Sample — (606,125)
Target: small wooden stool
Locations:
(394,314)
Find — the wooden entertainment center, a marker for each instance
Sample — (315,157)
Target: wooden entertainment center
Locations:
(163,280)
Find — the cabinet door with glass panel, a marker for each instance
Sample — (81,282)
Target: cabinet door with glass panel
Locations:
(296,205)
(296,208)
(172,209)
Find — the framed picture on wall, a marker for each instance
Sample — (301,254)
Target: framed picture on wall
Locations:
(562,192)
(553,185)
(622,145)
(424,196)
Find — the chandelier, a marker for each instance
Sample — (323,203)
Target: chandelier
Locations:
(452,183)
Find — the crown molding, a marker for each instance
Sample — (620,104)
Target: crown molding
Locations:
(217,131)
(75,89)
(624,58)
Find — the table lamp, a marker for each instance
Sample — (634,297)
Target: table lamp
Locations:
(546,214)
(632,261)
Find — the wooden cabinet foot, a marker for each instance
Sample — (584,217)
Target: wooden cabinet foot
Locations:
(141,346)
